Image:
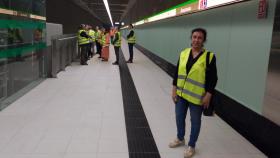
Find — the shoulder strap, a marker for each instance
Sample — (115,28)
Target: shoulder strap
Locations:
(207,59)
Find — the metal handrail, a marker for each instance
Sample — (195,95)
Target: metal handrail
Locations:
(63,53)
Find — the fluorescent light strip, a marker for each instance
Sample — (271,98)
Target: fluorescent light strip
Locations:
(139,22)
(211,3)
(163,15)
(108,10)
(16,13)
(202,5)
(6,11)
(38,17)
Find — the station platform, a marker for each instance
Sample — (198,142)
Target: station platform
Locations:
(81,114)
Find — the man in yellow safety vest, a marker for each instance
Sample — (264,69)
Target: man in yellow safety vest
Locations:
(91,33)
(83,40)
(117,44)
(131,40)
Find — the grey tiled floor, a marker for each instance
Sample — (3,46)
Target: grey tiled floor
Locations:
(80,115)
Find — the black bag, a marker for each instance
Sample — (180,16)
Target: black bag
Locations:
(210,110)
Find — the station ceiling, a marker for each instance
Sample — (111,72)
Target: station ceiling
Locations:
(127,11)
(97,8)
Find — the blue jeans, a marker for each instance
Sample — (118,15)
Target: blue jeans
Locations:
(181,109)
(130,48)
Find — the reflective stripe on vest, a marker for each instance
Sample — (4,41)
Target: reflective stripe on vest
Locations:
(92,35)
(132,39)
(192,86)
(119,41)
(191,81)
(190,93)
(82,40)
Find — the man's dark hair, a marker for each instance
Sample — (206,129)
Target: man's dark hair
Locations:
(131,25)
(202,30)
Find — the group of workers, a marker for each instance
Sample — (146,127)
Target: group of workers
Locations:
(102,38)
(194,81)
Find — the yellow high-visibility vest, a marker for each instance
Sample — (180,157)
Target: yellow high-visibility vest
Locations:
(82,40)
(106,40)
(91,33)
(119,41)
(132,39)
(192,86)
(98,36)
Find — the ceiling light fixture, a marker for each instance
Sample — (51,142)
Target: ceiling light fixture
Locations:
(108,11)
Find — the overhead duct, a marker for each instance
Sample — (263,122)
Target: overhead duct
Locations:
(84,6)
(129,6)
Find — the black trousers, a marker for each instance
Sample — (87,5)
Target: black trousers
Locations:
(130,48)
(84,52)
(89,50)
(117,49)
(98,48)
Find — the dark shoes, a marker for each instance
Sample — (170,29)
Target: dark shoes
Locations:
(129,61)
(115,63)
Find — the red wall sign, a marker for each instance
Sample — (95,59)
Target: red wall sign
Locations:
(262,11)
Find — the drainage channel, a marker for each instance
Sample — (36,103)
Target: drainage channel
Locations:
(140,140)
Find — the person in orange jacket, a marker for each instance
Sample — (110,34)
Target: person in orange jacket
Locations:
(112,33)
(105,45)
